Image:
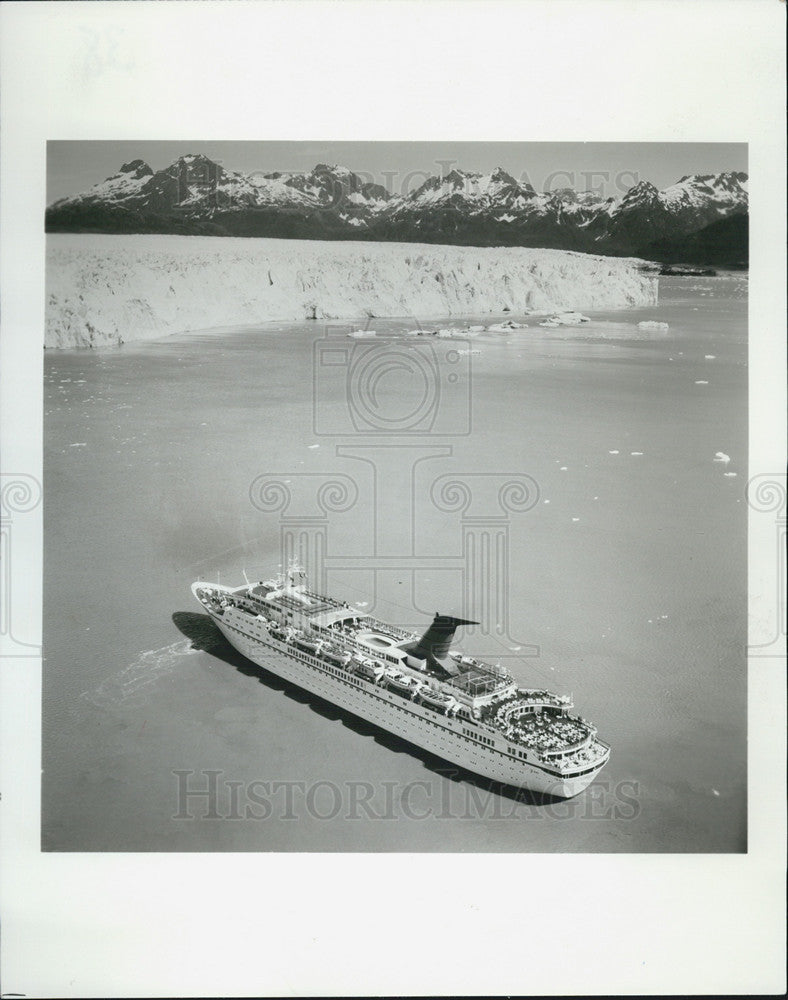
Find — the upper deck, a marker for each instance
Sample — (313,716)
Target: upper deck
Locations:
(472,682)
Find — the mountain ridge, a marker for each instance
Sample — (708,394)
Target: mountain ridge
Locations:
(196,195)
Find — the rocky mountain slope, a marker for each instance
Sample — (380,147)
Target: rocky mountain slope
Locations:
(197,196)
(724,243)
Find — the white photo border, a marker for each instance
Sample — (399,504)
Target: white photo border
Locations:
(233,925)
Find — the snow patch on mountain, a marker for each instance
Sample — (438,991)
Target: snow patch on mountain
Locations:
(723,191)
(195,194)
(126,183)
(103,289)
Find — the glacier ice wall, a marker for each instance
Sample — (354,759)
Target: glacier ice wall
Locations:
(103,290)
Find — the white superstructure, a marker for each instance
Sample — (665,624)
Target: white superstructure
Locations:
(467,712)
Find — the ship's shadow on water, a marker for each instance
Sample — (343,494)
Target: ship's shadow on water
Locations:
(205,636)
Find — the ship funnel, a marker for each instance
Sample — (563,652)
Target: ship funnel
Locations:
(434,644)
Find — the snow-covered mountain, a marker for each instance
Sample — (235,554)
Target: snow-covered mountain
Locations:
(645,214)
(198,196)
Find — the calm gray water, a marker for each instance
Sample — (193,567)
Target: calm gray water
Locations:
(627,576)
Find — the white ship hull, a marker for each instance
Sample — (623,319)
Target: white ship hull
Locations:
(431,730)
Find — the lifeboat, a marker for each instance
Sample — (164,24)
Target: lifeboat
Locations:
(436,699)
(306,645)
(336,656)
(402,684)
(371,670)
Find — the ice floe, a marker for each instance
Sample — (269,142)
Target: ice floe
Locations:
(569,318)
(506,326)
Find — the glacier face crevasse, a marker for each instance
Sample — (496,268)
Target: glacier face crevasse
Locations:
(103,290)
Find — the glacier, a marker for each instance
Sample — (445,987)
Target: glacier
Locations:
(104,290)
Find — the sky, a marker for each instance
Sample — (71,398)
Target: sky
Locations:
(608,167)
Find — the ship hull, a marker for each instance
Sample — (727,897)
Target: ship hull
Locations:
(428,730)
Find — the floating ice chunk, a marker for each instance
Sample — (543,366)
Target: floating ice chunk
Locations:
(652,324)
(720,456)
(505,327)
(569,318)
(444,334)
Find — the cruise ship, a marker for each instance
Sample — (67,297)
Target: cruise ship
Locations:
(468,712)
